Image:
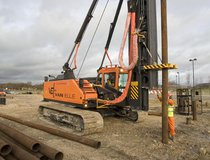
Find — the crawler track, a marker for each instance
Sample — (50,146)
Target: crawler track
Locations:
(83,121)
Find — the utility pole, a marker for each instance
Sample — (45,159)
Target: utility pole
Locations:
(165,72)
(194,108)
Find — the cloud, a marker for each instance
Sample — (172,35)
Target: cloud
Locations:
(36,37)
(188,37)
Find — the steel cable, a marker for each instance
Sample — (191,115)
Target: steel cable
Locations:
(93,38)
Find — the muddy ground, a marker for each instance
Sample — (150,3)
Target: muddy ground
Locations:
(121,139)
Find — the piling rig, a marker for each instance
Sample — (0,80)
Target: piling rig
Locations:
(118,90)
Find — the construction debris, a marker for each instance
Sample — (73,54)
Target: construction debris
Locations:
(202,151)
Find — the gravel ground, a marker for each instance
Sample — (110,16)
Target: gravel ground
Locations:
(121,139)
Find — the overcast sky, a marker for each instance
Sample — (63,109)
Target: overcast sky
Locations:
(36,37)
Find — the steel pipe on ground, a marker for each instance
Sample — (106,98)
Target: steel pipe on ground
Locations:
(70,136)
(46,151)
(10,157)
(1,158)
(41,156)
(21,138)
(51,152)
(17,151)
(154,113)
(5,148)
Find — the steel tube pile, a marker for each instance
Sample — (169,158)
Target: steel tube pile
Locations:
(16,145)
(70,136)
(5,148)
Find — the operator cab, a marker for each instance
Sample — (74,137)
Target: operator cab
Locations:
(113,76)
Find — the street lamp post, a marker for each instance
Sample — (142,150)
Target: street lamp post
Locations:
(178,75)
(194,108)
(193,61)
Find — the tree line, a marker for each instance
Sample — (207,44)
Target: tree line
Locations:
(21,86)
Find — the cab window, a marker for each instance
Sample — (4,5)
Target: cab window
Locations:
(122,81)
(99,79)
(109,79)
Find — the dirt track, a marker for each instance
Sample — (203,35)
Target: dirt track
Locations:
(121,139)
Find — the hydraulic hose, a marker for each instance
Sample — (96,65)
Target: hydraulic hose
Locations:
(134,48)
(133,56)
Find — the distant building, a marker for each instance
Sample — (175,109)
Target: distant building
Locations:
(203,85)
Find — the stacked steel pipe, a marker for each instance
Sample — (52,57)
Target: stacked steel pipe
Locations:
(15,145)
(5,148)
(60,133)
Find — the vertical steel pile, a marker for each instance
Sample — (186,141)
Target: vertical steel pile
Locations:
(165,71)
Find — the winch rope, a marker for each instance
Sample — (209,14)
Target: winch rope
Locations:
(93,37)
(107,54)
(75,57)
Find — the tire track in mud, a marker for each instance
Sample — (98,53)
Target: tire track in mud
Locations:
(115,153)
